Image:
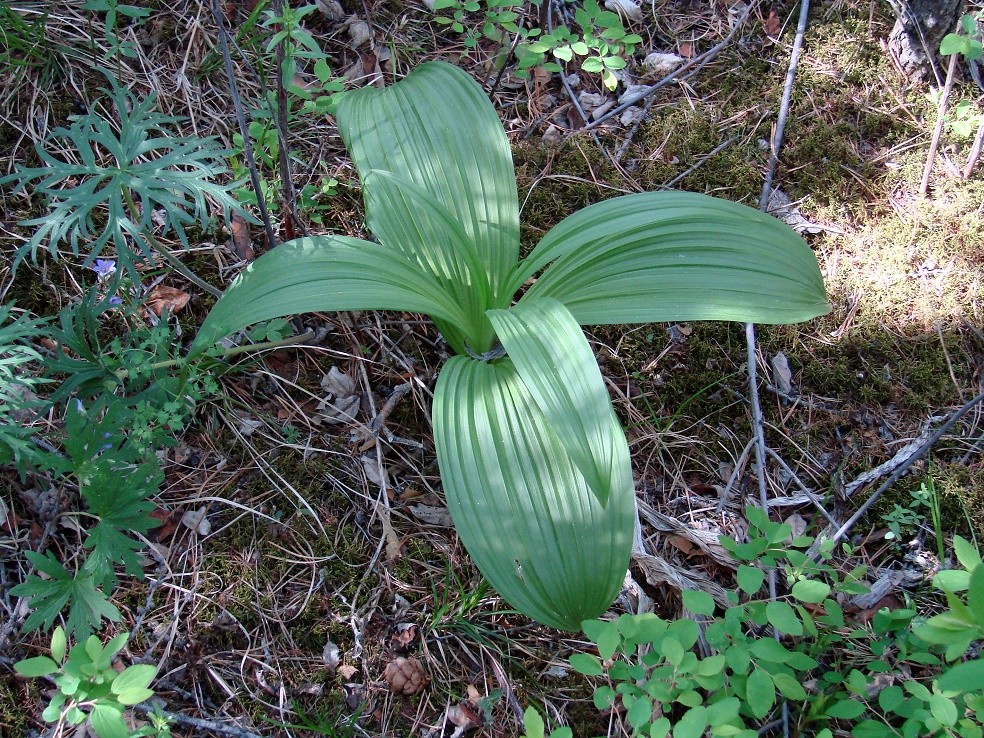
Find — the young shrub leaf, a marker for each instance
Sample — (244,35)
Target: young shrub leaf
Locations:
(38,666)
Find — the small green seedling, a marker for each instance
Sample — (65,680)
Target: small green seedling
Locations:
(958,43)
(89,688)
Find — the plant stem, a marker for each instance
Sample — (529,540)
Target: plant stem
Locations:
(280,117)
(169,257)
(234,351)
(940,120)
(975,151)
(243,128)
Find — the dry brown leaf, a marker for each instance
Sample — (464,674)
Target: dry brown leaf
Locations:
(681,543)
(242,243)
(687,50)
(163,297)
(404,637)
(347,671)
(772,26)
(169,523)
(465,716)
(431,515)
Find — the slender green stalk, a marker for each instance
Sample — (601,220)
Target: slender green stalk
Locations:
(169,257)
(234,351)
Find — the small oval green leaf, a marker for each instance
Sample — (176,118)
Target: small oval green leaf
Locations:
(810,590)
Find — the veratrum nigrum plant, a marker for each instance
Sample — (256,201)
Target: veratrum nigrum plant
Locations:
(534,463)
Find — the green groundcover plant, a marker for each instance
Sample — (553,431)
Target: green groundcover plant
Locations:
(90,689)
(798,658)
(534,463)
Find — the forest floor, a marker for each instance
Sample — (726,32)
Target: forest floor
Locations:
(317,551)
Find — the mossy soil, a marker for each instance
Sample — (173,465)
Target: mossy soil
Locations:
(902,344)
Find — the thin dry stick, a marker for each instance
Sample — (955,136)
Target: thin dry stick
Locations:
(934,145)
(757,422)
(975,151)
(209,726)
(700,162)
(289,196)
(787,93)
(254,175)
(920,452)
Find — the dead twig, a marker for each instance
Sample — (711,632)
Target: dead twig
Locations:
(896,475)
(934,145)
(237,102)
(209,726)
(787,92)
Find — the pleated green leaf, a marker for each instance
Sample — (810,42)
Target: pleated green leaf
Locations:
(523,510)
(324,273)
(437,128)
(408,218)
(664,256)
(556,364)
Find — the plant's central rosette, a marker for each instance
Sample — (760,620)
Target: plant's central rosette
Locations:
(534,463)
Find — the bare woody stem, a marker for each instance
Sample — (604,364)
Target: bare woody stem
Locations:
(234,351)
(940,120)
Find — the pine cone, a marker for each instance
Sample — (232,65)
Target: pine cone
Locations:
(405,676)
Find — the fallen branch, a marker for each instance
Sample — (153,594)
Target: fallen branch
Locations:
(209,726)
(918,454)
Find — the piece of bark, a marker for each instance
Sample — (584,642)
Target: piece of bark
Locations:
(915,39)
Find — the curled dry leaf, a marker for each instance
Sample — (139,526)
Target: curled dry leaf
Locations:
(432,515)
(355,695)
(631,93)
(659,65)
(404,637)
(783,208)
(374,473)
(196,521)
(465,716)
(772,26)
(798,524)
(247,425)
(242,243)
(347,671)
(782,374)
(358,31)
(626,8)
(342,403)
(332,9)
(331,655)
(163,297)
(590,101)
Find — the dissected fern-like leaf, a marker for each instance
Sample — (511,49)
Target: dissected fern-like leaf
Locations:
(89,201)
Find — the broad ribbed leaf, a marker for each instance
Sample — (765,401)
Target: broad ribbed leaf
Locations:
(437,128)
(663,256)
(556,364)
(325,273)
(522,508)
(407,218)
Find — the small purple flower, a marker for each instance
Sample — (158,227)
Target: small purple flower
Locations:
(115,301)
(104,268)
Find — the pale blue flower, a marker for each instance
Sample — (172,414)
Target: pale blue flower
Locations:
(104,268)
